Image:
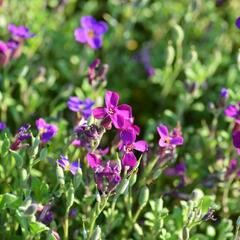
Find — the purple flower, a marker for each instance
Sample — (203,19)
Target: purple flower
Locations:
(46,131)
(107,176)
(233,111)
(232,167)
(236,139)
(20,31)
(67,166)
(91,32)
(4,55)
(224,93)
(2,126)
(73,212)
(144,57)
(22,134)
(178,170)
(167,140)
(128,137)
(81,106)
(238,22)
(118,115)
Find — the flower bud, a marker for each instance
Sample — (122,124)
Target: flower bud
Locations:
(70,196)
(31,209)
(122,186)
(98,197)
(96,234)
(157,173)
(60,175)
(143,196)
(77,178)
(185,233)
(133,179)
(238,221)
(23,177)
(196,194)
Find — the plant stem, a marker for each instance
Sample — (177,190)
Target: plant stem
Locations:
(65,224)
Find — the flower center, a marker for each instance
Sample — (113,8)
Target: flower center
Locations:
(42,130)
(128,148)
(167,140)
(90,34)
(111,111)
(67,167)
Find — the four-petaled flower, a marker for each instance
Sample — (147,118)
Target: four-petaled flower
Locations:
(46,131)
(91,32)
(233,111)
(81,106)
(67,166)
(118,115)
(20,32)
(167,140)
(128,144)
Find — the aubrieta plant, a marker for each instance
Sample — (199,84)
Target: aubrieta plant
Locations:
(94,145)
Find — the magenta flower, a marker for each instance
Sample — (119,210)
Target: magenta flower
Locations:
(233,111)
(167,140)
(91,32)
(107,176)
(46,131)
(81,106)
(67,166)
(20,32)
(118,115)
(4,53)
(93,160)
(128,137)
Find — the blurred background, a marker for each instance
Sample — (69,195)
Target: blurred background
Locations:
(167,59)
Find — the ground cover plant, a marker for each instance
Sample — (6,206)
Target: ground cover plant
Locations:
(119,119)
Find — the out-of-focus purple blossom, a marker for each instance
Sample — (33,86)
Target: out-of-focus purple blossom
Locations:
(219,2)
(73,212)
(169,141)
(178,170)
(128,137)
(107,176)
(224,93)
(144,57)
(81,106)
(15,48)
(97,73)
(2,126)
(44,214)
(4,53)
(23,133)
(232,167)
(238,22)
(67,166)
(233,111)
(20,32)
(46,131)
(112,113)
(91,32)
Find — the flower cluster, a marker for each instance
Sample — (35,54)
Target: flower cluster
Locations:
(13,47)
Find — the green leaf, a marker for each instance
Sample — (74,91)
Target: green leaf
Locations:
(38,227)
